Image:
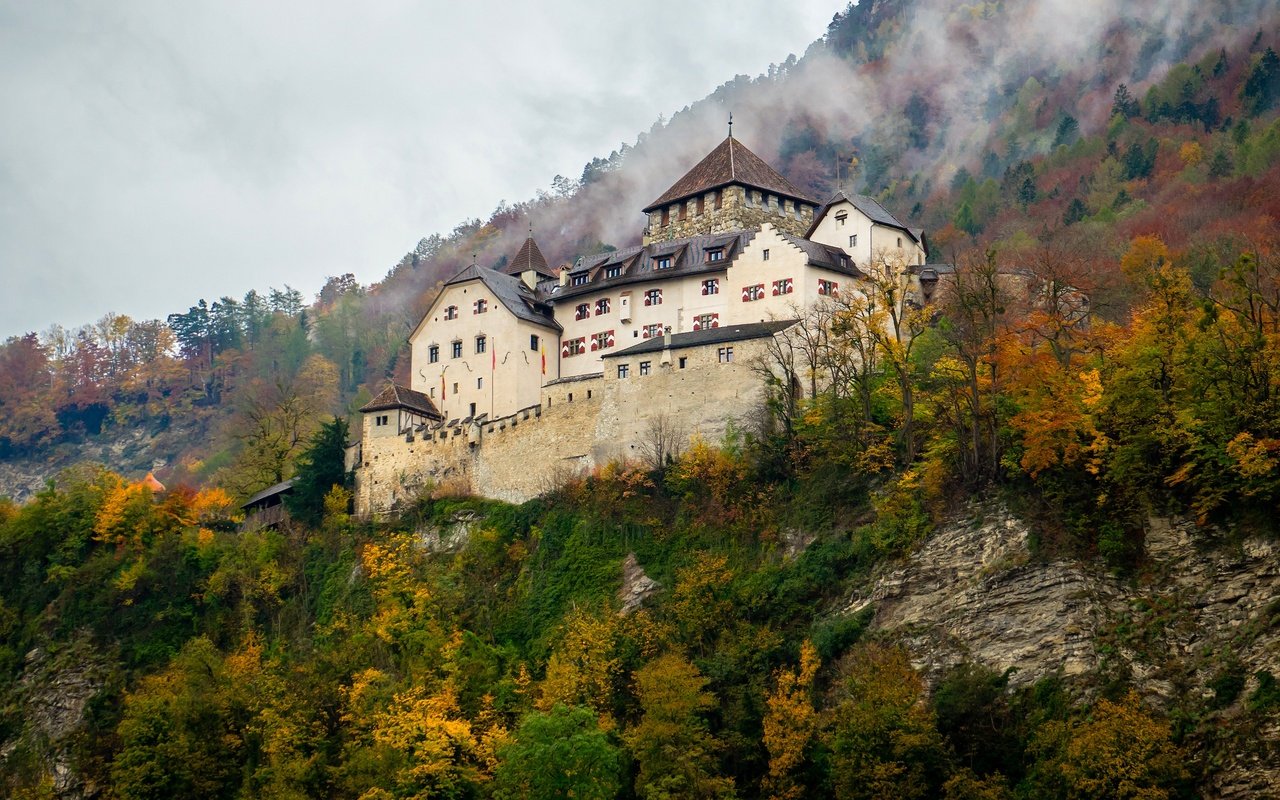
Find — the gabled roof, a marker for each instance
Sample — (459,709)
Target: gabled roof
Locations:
(514,294)
(868,206)
(393,396)
(728,333)
(730,162)
(824,255)
(529,258)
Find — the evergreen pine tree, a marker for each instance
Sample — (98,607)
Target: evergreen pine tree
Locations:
(319,468)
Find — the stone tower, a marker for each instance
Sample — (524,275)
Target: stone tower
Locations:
(732,189)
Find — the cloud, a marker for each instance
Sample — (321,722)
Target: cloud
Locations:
(156,153)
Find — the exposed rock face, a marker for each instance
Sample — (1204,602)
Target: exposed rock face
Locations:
(54,691)
(636,586)
(971,594)
(974,593)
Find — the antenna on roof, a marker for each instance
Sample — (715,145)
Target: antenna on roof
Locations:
(730,124)
(530,227)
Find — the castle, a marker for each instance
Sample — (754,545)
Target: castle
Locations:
(522,375)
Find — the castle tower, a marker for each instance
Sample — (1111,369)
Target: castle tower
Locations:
(731,189)
(529,265)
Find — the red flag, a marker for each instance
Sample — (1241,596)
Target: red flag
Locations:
(543,349)
(442,387)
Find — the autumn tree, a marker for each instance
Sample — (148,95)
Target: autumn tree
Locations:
(790,725)
(672,745)
(882,737)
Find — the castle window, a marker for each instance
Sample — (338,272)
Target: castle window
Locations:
(613,272)
(715,254)
(662,263)
(782,286)
(433,393)
(684,361)
(653,297)
(451,312)
(684,210)
(853,240)
(666,216)
(533,342)
(581,280)
(473,410)
(602,306)
(829,288)
(752,293)
(479,383)
(764,254)
(899,241)
(702,204)
(645,367)
(623,369)
(456,350)
(481,306)
(433,353)
(711,286)
(582,311)
(842,217)
(725,354)
(715,199)
(650,331)
(704,321)
(380,420)
(455,388)
(481,344)
(602,341)
(573,347)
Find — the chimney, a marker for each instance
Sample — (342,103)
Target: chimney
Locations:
(530,278)
(666,347)
(564,274)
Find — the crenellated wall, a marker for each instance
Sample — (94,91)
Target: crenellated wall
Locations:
(580,423)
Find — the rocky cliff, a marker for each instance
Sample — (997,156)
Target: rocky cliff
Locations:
(1194,631)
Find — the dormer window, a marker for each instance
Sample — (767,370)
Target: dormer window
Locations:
(842,217)
(715,254)
(602,306)
(451,312)
(613,272)
(480,306)
(662,263)
(580,280)
(582,311)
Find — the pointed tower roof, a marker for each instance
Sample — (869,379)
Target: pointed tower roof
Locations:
(729,163)
(529,258)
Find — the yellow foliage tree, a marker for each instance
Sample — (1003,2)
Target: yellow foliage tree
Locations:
(790,723)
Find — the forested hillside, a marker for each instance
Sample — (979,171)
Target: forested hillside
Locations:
(714,624)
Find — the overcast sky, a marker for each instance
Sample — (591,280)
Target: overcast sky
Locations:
(153,153)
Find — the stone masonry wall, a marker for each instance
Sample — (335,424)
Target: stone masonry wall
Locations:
(525,454)
(734,214)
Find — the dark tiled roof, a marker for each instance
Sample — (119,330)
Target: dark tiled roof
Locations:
(529,258)
(688,257)
(730,162)
(824,255)
(527,304)
(393,396)
(867,205)
(727,333)
(280,488)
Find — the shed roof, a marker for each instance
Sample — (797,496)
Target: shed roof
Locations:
(727,333)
